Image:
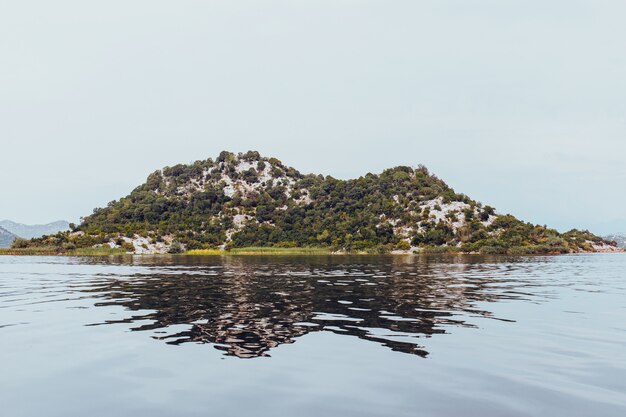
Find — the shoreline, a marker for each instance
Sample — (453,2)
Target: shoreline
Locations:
(272,251)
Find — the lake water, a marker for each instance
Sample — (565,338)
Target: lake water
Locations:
(313,336)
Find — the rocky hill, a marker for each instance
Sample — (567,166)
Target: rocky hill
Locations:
(28,231)
(618,238)
(242,200)
(6,238)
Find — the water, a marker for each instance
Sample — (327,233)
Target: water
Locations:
(313,336)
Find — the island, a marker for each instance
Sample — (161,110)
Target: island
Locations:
(247,203)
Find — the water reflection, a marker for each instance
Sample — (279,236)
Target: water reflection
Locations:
(247,306)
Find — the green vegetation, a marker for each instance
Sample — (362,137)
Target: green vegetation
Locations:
(279,251)
(248,204)
(263,250)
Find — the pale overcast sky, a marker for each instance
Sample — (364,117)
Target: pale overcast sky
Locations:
(519,104)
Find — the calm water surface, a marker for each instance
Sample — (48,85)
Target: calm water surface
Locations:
(313,336)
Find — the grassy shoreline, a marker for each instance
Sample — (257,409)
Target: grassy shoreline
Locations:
(260,251)
(50,251)
(265,251)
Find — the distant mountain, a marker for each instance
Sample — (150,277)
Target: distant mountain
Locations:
(27,231)
(619,238)
(6,238)
(246,200)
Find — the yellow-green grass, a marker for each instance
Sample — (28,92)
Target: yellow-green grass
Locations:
(206,252)
(29,251)
(55,251)
(279,251)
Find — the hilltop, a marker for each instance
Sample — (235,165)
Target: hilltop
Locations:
(27,231)
(242,200)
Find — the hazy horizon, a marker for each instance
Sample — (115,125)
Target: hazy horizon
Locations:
(518,104)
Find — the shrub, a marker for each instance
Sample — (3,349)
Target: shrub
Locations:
(403,245)
(175,247)
(492,250)
(20,243)
(128,246)
(69,246)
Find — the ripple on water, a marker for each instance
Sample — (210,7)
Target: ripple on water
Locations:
(534,324)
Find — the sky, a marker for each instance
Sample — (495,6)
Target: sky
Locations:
(518,104)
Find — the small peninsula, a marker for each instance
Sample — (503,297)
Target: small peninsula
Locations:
(246,200)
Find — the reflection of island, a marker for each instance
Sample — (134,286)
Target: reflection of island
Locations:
(247,306)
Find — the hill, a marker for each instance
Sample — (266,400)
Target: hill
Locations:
(246,200)
(618,238)
(32,231)
(6,238)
